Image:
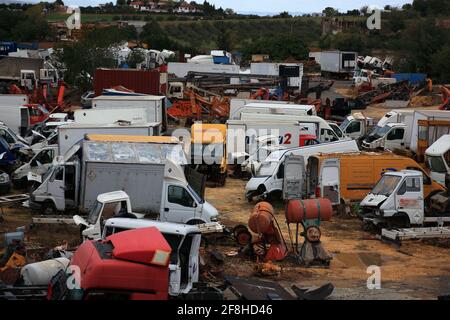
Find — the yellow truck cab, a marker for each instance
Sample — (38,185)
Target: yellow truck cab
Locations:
(349,177)
(208,150)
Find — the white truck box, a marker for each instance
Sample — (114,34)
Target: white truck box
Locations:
(273,108)
(338,61)
(15,117)
(154,104)
(13,99)
(273,69)
(112,115)
(72,133)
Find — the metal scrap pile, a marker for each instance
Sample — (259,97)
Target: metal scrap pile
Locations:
(396,91)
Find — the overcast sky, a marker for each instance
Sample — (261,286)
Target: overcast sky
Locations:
(275,6)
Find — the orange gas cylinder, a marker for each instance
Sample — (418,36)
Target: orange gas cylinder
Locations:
(260,220)
(297,210)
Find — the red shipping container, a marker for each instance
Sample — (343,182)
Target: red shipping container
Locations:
(140,81)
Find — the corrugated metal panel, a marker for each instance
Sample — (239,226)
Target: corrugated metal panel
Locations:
(140,81)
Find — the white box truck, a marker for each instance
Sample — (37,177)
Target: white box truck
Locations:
(113,115)
(149,169)
(273,108)
(13,99)
(155,105)
(242,134)
(236,104)
(338,62)
(17,118)
(70,134)
(273,69)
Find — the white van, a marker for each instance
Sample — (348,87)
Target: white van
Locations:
(438,158)
(267,180)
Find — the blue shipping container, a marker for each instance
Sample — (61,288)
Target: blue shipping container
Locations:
(413,78)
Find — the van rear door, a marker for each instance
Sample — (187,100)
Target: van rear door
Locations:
(294,177)
(330,180)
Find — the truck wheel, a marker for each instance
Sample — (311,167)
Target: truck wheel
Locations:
(195,222)
(48,208)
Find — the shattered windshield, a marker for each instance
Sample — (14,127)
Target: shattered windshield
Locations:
(386,185)
(378,132)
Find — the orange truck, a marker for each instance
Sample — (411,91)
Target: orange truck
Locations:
(349,177)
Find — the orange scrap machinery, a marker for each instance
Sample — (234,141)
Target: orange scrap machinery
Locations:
(197,107)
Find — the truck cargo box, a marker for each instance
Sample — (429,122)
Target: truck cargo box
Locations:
(73,133)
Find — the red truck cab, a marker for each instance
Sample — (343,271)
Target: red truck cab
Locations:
(38,113)
(307,140)
(131,265)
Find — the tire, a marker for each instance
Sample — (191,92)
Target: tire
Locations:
(48,208)
(194,222)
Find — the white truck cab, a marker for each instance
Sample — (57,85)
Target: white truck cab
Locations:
(356,125)
(179,206)
(398,200)
(389,137)
(38,165)
(438,158)
(185,243)
(268,175)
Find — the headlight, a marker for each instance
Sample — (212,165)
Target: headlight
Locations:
(4,178)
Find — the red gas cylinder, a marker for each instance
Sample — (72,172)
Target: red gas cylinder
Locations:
(260,220)
(297,210)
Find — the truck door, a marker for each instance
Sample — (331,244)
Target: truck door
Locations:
(330,180)
(55,188)
(395,139)
(25,120)
(409,199)
(354,129)
(180,206)
(294,177)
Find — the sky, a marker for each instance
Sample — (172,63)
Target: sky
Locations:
(276,6)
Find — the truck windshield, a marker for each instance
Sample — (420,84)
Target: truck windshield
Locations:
(344,124)
(377,133)
(267,169)
(437,164)
(386,185)
(95,211)
(197,198)
(207,153)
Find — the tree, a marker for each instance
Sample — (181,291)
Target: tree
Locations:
(121,2)
(440,66)
(156,37)
(225,38)
(330,12)
(279,48)
(92,51)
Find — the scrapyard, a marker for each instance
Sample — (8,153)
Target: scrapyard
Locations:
(221,174)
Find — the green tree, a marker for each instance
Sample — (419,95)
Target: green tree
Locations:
(93,51)
(440,66)
(330,12)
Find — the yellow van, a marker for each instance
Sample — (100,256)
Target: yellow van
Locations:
(349,177)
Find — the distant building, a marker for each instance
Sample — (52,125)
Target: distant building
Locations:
(336,25)
(137,5)
(185,7)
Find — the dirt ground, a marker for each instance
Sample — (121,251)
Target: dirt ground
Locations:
(415,270)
